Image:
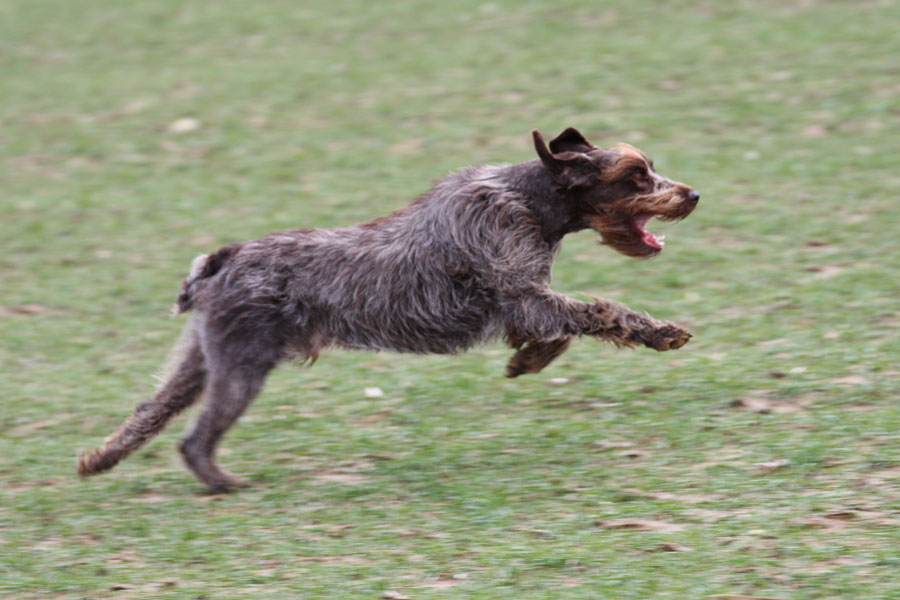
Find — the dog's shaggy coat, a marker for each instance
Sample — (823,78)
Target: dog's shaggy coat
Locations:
(467,262)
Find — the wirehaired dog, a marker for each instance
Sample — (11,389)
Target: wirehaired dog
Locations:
(468,261)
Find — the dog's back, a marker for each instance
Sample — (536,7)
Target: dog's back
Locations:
(418,280)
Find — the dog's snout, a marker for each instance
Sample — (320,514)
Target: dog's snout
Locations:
(693,196)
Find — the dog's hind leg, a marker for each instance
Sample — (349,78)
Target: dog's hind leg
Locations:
(535,356)
(237,374)
(180,390)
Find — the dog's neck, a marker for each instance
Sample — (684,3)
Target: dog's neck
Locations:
(557,213)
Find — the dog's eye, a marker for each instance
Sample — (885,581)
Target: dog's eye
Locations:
(640,176)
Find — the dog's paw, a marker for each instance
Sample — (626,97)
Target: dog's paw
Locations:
(533,357)
(669,337)
(524,361)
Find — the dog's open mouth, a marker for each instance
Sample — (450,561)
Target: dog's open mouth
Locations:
(639,221)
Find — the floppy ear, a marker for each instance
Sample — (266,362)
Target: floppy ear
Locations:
(570,140)
(563,166)
(553,164)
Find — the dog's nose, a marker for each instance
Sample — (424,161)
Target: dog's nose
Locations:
(693,196)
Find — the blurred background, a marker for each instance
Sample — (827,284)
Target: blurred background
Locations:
(759,461)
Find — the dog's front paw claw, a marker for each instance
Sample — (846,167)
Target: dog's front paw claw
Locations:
(669,337)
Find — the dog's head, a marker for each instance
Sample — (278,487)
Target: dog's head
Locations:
(615,190)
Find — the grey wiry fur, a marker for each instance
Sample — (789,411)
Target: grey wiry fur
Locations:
(467,262)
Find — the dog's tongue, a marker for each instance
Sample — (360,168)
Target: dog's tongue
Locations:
(639,221)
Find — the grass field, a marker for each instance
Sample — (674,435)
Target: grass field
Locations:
(762,460)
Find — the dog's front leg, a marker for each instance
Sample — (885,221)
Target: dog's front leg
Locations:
(545,316)
(621,325)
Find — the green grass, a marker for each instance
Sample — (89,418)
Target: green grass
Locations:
(457,483)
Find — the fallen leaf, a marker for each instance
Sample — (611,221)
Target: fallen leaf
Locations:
(54,541)
(373,418)
(88,539)
(27,310)
(151,499)
(687,498)
(122,557)
(633,453)
(383,456)
(772,465)
(827,566)
(392,595)
(851,380)
(870,482)
(826,271)
(842,515)
(823,523)
(640,525)
(669,547)
(713,515)
(345,478)
(166,584)
(604,404)
(609,445)
(441,583)
(763,405)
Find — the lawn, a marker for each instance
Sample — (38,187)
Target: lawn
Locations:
(760,461)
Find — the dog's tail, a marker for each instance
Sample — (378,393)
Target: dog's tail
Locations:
(180,390)
(203,267)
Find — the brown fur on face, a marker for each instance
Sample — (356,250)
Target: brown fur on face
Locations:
(468,262)
(617,190)
(658,196)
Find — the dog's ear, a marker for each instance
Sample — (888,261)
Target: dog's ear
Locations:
(570,140)
(550,161)
(563,165)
